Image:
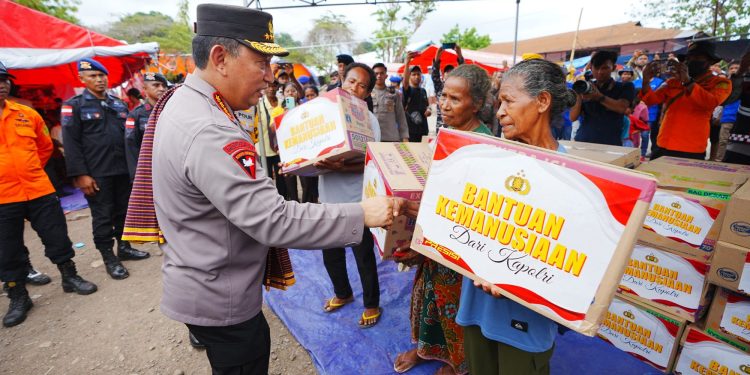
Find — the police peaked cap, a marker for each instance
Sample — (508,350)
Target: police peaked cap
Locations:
(4,71)
(250,27)
(90,65)
(155,77)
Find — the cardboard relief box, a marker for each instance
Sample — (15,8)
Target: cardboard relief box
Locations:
(736,227)
(552,231)
(626,157)
(646,333)
(687,211)
(730,267)
(671,282)
(705,354)
(729,319)
(334,125)
(398,170)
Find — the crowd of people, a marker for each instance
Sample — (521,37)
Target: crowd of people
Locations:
(192,175)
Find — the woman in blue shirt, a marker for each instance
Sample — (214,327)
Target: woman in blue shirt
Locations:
(502,336)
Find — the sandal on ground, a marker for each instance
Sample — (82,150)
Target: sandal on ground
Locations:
(331,305)
(367,321)
(408,364)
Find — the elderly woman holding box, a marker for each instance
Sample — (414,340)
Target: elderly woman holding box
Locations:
(437,289)
(501,336)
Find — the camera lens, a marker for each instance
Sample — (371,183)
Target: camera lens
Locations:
(582,87)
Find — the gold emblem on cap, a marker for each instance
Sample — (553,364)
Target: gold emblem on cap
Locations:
(85,65)
(150,75)
(269,34)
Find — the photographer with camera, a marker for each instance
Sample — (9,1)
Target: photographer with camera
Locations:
(689,96)
(602,102)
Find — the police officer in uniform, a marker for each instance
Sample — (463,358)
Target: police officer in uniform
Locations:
(216,209)
(154,85)
(93,127)
(26,193)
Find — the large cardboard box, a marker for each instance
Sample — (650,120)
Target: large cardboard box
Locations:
(627,157)
(335,125)
(398,170)
(552,231)
(646,333)
(736,226)
(674,283)
(729,318)
(730,267)
(687,211)
(704,354)
(740,169)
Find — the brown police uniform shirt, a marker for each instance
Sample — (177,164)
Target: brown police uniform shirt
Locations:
(219,213)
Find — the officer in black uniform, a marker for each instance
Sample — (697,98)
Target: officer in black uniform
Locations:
(93,126)
(154,86)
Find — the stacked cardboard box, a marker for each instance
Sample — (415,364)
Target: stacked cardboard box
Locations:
(651,335)
(626,157)
(704,354)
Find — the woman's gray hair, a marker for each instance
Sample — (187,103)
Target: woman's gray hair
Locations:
(539,76)
(478,80)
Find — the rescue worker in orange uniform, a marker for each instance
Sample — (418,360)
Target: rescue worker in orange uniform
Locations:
(689,98)
(27,193)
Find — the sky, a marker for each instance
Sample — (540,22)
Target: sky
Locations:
(492,17)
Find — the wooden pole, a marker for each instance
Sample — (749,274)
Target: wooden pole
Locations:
(575,38)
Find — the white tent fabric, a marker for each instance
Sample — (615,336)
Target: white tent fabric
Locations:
(30,58)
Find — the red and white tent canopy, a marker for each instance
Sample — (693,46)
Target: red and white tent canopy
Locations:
(40,49)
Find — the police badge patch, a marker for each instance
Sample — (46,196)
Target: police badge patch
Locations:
(243,153)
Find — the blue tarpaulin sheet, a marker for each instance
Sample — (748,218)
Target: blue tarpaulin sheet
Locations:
(338,346)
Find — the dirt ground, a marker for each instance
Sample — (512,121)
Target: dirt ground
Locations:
(117,330)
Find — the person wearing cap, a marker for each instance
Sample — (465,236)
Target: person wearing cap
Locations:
(342,61)
(215,211)
(602,110)
(154,86)
(689,98)
(93,127)
(626,74)
(26,193)
(415,100)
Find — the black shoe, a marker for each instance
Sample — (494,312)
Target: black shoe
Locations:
(37,278)
(194,341)
(71,282)
(125,252)
(115,269)
(20,304)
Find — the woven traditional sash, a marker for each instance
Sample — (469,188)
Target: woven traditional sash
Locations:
(141,224)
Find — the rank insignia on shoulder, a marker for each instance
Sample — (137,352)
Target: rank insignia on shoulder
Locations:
(243,153)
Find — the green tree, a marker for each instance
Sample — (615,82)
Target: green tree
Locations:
(62,9)
(364,47)
(172,36)
(329,34)
(393,36)
(296,54)
(469,38)
(717,17)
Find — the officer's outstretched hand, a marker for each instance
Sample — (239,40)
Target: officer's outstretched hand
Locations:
(379,211)
(87,185)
